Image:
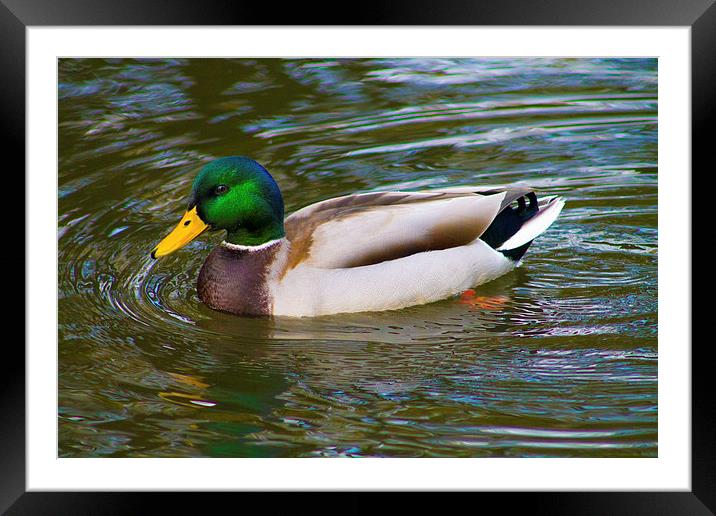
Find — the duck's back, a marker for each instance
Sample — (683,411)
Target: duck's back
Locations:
(388,250)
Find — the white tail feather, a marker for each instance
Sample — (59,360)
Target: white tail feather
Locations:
(548,213)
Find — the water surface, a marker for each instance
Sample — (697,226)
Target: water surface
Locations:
(557,358)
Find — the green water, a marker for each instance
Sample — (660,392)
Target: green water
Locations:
(560,361)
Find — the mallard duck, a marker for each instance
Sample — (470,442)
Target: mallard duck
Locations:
(363,252)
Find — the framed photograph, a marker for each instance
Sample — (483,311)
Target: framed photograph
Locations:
(384,256)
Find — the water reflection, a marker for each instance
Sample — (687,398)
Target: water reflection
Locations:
(558,358)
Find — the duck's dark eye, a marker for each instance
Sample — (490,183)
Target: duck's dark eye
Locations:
(221,189)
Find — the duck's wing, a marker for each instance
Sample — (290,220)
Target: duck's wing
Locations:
(365,229)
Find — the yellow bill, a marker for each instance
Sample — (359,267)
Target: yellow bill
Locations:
(190,226)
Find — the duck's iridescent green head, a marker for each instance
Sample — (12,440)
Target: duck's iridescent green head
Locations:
(236,194)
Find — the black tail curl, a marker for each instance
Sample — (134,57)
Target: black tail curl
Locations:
(508,222)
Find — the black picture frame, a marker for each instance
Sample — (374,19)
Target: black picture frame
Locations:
(17,15)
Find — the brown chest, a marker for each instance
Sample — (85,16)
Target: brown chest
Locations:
(235,280)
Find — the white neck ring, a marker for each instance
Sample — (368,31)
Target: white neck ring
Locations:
(251,248)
